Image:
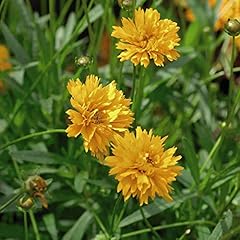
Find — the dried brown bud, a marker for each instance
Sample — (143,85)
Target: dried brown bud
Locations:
(232,27)
(35,184)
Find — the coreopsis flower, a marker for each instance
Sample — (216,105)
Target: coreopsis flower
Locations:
(143,167)
(4,58)
(101,112)
(229,9)
(147,37)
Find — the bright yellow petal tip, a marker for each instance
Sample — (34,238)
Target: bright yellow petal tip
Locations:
(147,37)
(142,166)
(100,112)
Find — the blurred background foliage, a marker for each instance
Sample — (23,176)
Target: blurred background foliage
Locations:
(186,100)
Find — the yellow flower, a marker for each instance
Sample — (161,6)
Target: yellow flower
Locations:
(147,37)
(4,59)
(142,166)
(228,9)
(101,112)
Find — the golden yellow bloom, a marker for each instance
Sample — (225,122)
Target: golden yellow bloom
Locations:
(4,59)
(147,37)
(101,112)
(228,9)
(142,166)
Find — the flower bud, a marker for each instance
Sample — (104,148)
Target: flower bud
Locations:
(83,61)
(26,202)
(125,4)
(232,27)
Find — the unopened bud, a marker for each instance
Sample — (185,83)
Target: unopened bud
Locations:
(83,61)
(232,27)
(26,202)
(125,4)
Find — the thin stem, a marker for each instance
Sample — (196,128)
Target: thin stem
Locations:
(90,30)
(34,225)
(25,225)
(114,213)
(230,114)
(213,152)
(11,200)
(148,224)
(31,136)
(138,88)
(173,225)
(100,223)
(231,83)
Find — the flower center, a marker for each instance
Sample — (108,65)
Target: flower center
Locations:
(97,118)
(148,159)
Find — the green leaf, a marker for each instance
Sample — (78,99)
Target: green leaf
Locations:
(222,227)
(19,52)
(49,221)
(191,158)
(37,157)
(152,209)
(80,181)
(192,36)
(78,229)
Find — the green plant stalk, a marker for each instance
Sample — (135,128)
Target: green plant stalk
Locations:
(31,136)
(90,30)
(173,225)
(148,224)
(3,9)
(138,87)
(114,214)
(231,83)
(64,12)
(11,200)
(231,110)
(34,225)
(25,225)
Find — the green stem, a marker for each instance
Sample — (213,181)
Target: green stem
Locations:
(148,224)
(90,30)
(231,109)
(173,225)
(25,225)
(34,225)
(11,200)
(213,152)
(138,87)
(31,136)
(114,213)
(231,83)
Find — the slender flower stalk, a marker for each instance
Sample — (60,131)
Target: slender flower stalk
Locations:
(25,225)
(137,90)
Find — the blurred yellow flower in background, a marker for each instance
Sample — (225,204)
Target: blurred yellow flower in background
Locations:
(147,37)
(5,65)
(228,9)
(101,112)
(142,166)
(4,58)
